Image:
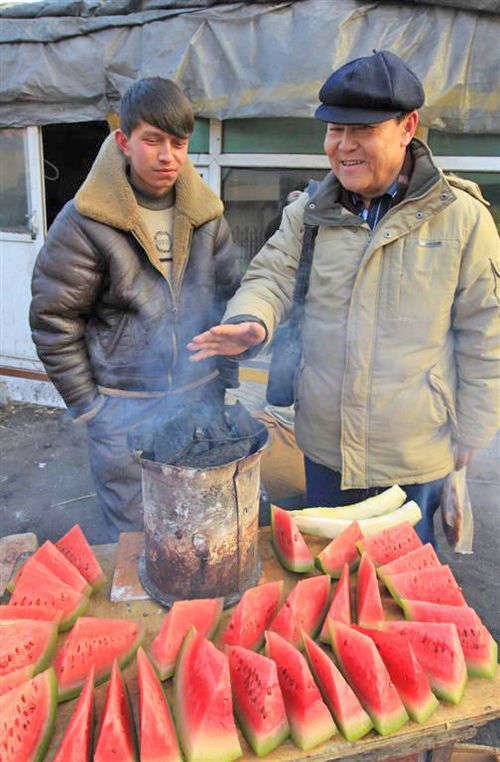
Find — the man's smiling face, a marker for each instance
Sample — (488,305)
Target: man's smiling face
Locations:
(366,158)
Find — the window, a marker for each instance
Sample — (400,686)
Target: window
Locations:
(14,208)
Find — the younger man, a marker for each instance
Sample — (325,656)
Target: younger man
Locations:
(135,265)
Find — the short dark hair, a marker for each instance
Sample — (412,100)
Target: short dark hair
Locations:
(159,102)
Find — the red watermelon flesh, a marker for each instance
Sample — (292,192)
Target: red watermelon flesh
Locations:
(75,547)
(341,550)
(369,602)
(15,677)
(437,585)
(48,555)
(76,743)
(25,642)
(480,650)
(157,732)
(116,739)
(340,607)
(38,586)
(338,695)
(203,614)
(34,701)
(437,648)
(367,674)
(421,558)
(390,543)
(253,615)
(310,720)
(303,610)
(94,642)
(406,673)
(31,612)
(203,707)
(258,701)
(288,543)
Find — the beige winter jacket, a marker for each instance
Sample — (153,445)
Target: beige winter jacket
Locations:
(401,339)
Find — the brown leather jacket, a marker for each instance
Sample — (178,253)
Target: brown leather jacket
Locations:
(103,316)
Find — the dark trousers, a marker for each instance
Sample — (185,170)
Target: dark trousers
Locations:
(323,488)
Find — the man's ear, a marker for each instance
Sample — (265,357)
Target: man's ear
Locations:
(409,127)
(122,141)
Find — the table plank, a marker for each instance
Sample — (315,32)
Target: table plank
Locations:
(481,702)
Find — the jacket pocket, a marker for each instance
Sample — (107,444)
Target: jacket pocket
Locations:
(442,389)
(116,336)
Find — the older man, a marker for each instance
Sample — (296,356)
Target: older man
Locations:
(398,380)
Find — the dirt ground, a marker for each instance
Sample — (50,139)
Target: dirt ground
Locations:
(45,487)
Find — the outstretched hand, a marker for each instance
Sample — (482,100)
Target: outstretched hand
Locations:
(227,339)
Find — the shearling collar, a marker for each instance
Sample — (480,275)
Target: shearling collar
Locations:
(106,196)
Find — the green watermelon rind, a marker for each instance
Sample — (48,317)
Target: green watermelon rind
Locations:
(384,725)
(486,668)
(226,755)
(307,564)
(45,657)
(51,719)
(74,689)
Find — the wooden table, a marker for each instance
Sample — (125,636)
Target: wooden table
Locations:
(448,724)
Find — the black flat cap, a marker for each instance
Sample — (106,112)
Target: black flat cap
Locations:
(370,89)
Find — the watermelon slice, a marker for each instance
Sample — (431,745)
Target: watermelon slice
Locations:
(258,701)
(15,677)
(340,607)
(157,732)
(31,612)
(288,543)
(421,558)
(25,642)
(351,718)
(38,586)
(116,737)
(303,610)
(76,745)
(310,720)
(203,707)
(390,543)
(437,585)
(48,555)
(34,701)
(437,648)
(94,642)
(480,650)
(367,674)
(75,547)
(252,615)
(202,613)
(368,600)
(406,673)
(342,549)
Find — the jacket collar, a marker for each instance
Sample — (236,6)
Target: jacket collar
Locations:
(106,196)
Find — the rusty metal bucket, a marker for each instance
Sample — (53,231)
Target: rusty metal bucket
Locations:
(200,528)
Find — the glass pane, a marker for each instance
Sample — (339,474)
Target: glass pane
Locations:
(199,139)
(450,144)
(273,136)
(13,182)
(254,200)
(489,182)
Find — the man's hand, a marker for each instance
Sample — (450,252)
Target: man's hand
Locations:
(463,455)
(227,339)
